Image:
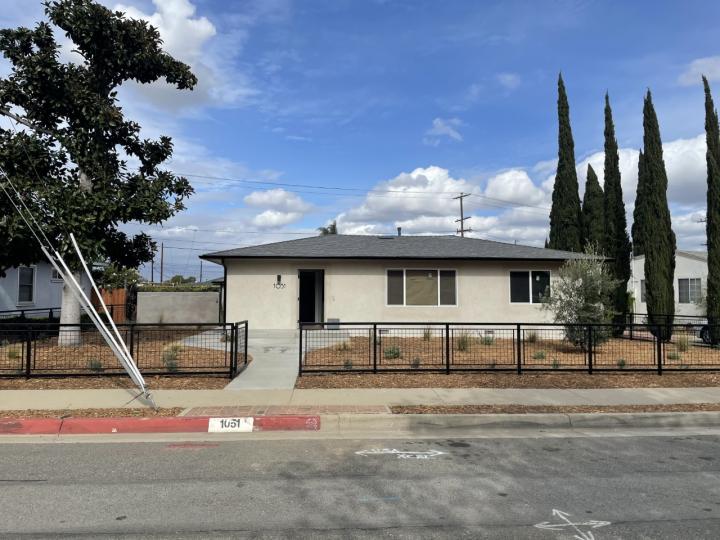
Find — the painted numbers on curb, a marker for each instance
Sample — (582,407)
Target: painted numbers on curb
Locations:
(401,454)
(231,425)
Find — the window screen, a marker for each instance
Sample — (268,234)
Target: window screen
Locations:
(540,285)
(519,286)
(421,287)
(689,290)
(26,279)
(643,299)
(395,287)
(447,288)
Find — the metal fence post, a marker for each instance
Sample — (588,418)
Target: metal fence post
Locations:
(245,344)
(447,349)
(659,346)
(590,346)
(518,353)
(233,348)
(300,351)
(28,353)
(374,346)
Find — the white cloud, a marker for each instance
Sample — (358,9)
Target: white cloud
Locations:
(708,66)
(276,219)
(515,185)
(508,80)
(277,199)
(441,128)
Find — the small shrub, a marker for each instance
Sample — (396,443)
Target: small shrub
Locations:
(555,363)
(487,340)
(343,347)
(492,365)
(171,365)
(682,343)
(169,357)
(13,354)
(415,364)
(427,334)
(4,343)
(95,365)
(531,337)
(674,355)
(348,364)
(463,342)
(539,355)
(684,366)
(621,363)
(392,352)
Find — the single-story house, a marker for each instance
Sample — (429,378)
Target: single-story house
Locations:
(386,279)
(33,290)
(691,270)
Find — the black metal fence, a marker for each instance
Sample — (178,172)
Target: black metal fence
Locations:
(51,349)
(518,347)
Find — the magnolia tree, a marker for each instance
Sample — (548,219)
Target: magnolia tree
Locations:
(581,294)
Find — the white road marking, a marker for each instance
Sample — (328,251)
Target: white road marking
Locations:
(565,524)
(401,454)
(231,425)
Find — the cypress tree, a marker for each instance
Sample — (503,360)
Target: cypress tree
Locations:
(640,211)
(593,219)
(617,242)
(712,224)
(565,214)
(659,238)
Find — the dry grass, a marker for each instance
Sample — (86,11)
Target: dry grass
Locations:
(155,382)
(551,409)
(91,413)
(510,380)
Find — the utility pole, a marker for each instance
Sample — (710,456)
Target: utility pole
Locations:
(462,230)
(162,259)
(201,261)
(152,270)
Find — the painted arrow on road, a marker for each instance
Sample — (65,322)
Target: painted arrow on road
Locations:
(401,454)
(566,523)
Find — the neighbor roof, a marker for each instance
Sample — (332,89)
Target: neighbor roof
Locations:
(342,246)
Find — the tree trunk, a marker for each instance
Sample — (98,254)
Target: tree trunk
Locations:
(70,315)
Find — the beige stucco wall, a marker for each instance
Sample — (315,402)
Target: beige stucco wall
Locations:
(355,291)
(685,267)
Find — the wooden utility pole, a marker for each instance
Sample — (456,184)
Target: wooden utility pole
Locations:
(201,261)
(162,259)
(462,230)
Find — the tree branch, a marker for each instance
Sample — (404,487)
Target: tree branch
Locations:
(24,121)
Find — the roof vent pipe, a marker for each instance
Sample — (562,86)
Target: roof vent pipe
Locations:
(399,231)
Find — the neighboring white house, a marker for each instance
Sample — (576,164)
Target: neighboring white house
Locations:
(386,279)
(35,288)
(690,282)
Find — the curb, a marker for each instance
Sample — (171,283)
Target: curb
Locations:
(174,424)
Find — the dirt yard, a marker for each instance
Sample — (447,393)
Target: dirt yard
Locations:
(551,409)
(154,382)
(135,412)
(510,380)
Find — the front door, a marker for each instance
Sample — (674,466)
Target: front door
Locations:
(311,295)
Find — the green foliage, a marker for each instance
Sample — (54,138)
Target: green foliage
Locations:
(641,210)
(487,340)
(621,363)
(674,355)
(565,214)
(427,334)
(170,357)
(331,228)
(13,354)
(539,355)
(392,352)
(617,243)
(95,365)
(115,277)
(531,336)
(582,293)
(463,342)
(74,158)
(415,364)
(593,219)
(555,363)
(348,364)
(657,235)
(181,280)
(189,287)
(682,343)
(712,224)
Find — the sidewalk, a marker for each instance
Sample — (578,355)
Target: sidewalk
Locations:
(116,398)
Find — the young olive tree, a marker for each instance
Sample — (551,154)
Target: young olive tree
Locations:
(582,293)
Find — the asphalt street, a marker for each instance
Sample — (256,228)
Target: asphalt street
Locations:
(541,488)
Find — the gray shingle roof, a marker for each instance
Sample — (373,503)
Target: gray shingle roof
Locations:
(341,246)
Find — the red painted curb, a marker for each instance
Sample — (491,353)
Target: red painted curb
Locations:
(171,424)
(29,426)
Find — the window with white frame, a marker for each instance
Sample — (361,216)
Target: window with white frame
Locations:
(529,287)
(55,275)
(689,290)
(26,284)
(413,287)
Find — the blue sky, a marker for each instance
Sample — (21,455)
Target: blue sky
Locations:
(422,99)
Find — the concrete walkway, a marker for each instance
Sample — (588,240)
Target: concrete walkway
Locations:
(274,365)
(88,399)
